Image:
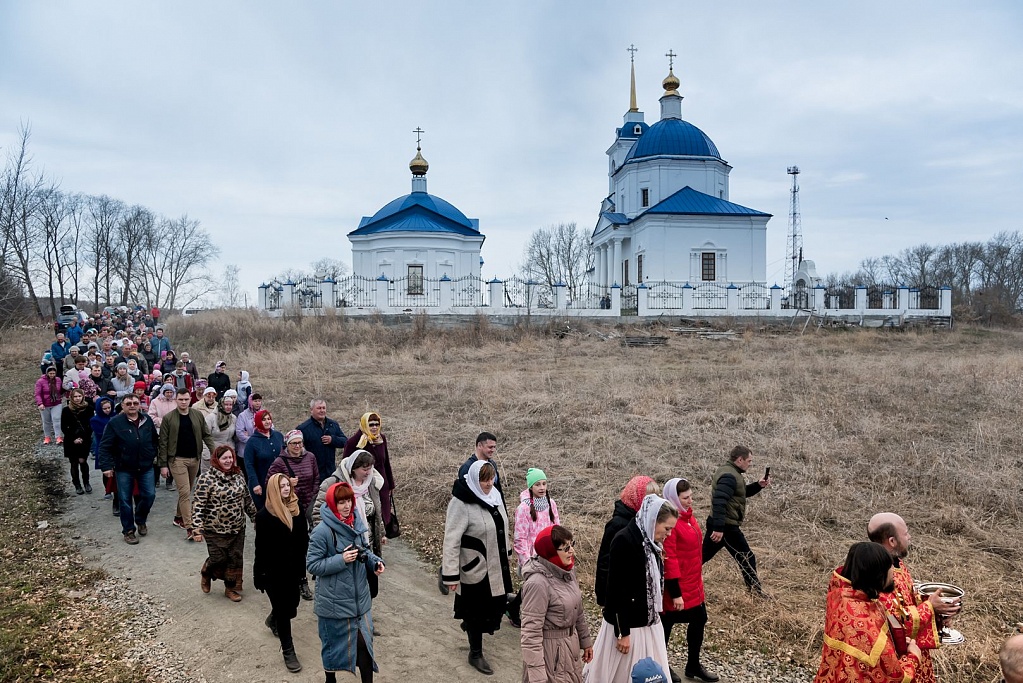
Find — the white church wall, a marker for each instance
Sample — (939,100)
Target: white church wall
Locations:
(392,253)
(668,245)
(664,177)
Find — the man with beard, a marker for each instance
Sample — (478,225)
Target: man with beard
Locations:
(858,647)
(916,616)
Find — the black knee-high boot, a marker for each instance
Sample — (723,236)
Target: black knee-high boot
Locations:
(363,660)
(476,658)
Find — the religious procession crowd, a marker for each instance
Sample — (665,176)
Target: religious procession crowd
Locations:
(118,393)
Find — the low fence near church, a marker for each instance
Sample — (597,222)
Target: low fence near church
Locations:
(515,296)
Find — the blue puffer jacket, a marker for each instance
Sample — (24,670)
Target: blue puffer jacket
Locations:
(342,590)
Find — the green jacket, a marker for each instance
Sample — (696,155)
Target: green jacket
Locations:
(728,497)
(169,427)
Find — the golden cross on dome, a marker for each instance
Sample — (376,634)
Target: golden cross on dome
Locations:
(419,135)
(633,49)
(671,59)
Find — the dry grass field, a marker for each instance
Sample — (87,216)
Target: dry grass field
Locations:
(852,422)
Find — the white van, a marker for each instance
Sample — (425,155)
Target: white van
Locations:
(191,311)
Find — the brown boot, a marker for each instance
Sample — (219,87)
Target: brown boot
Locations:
(231,594)
(230,585)
(204,578)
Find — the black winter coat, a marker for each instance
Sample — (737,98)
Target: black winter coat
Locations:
(621,518)
(626,607)
(125,448)
(221,381)
(75,425)
(280,554)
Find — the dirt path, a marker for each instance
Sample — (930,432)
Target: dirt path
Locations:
(223,641)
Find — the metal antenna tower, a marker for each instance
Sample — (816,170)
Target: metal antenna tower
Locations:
(794,244)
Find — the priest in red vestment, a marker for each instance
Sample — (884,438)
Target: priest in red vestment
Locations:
(858,646)
(917,616)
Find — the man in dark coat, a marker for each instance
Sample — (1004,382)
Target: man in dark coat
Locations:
(127,451)
(728,503)
(219,379)
(322,437)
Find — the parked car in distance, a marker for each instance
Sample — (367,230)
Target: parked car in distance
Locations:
(68,312)
(191,311)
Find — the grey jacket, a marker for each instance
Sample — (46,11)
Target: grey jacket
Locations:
(468,520)
(342,589)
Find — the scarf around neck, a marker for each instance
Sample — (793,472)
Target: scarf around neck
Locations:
(332,504)
(472,478)
(283,510)
(646,520)
(360,490)
(364,428)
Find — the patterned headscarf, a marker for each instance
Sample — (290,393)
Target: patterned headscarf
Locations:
(632,494)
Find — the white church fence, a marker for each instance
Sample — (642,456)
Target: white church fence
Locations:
(469,295)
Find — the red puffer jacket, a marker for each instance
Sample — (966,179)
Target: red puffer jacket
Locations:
(683,562)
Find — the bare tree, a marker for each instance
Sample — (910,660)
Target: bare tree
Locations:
(21,192)
(184,250)
(333,268)
(558,254)
(133,233)
(230,287)
(101,218)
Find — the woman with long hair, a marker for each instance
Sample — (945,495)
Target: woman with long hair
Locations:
(370,437)
(476,557)
(631,629)
(49,401)
(220,504)
(74,420)
(683,579)
(554,629)
(536,511)
(282,540)
(261,450)
(340,559)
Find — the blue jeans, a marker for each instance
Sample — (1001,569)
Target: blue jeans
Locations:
(131,513)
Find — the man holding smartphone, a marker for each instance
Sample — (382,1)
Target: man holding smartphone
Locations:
(728,503)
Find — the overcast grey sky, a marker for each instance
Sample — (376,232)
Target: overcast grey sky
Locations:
(279,125)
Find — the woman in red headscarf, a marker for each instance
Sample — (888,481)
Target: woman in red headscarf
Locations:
(341,559)
(554,628)
(220,504)
(262,448)
(625,511)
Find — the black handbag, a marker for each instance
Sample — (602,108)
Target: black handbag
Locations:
(392,529)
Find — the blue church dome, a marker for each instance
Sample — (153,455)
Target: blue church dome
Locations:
(673,137)
(418,212)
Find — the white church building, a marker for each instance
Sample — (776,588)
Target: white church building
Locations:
(668,217)
(668,241)
(417,237)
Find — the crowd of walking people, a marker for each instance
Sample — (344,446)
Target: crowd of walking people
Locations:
(122,395)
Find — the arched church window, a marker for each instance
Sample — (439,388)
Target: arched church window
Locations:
(638,130)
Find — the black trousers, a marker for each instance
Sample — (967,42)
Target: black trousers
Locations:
(735,543)
(79,471)
(696,617)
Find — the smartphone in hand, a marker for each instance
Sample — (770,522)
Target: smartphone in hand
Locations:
(767,473)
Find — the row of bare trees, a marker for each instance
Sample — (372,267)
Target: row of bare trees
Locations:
(986,278)
(58,246)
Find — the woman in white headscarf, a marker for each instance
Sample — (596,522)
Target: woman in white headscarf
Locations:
(476,557)
(631,628)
